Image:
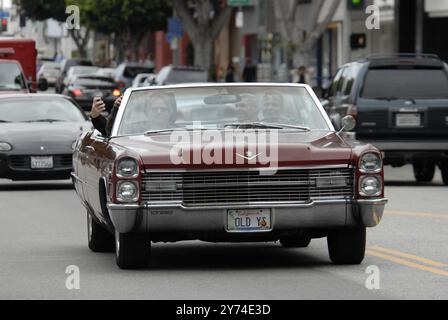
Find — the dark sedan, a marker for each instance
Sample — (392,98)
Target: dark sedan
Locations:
(37,133)
(84,88)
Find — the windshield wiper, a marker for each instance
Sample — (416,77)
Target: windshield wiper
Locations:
(265,125)
(4,121)
(45,120)
(152,132)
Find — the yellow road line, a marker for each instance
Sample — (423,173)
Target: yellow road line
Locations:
(407,263)
(416,214)
(409,256)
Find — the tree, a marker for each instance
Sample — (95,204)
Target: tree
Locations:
(54,9)
(128,20)
(301,37)
(203,22)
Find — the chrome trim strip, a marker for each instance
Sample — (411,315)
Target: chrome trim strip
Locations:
(74,176)
(372,201)
(260,205)
(174,170)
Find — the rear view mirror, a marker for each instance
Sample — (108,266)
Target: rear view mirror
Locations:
(348,123)
(222,99)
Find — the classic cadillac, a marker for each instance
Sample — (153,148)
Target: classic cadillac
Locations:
(227,163)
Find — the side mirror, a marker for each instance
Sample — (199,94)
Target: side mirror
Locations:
(348,123)
(42,85)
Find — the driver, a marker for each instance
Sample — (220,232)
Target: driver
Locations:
(247,109)
(158,111)
(273,108)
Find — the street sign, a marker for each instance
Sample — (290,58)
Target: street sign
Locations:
(239,3)
(175,27)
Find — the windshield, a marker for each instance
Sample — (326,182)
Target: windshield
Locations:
(94,81)
(83,70)
(186,76)
(220,108)
(38,109)
(132,72)
(11,77)
(406,84)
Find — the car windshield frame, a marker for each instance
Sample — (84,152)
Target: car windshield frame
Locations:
(116,130)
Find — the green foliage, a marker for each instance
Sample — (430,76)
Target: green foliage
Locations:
(119,16)
(43,9)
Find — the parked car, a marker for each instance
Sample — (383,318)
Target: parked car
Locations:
(65,66)
(84,88)
(146,183)
(37,133)
(143,79)
(180,74)
(49,71)
(401,105)
(106,72)
(126,73)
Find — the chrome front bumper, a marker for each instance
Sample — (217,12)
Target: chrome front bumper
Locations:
(177,218)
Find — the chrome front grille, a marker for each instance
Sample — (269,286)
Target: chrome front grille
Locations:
(214,188)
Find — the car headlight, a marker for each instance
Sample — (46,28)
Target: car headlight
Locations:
(370,163)
(4,146)
(127,168)
(127,191)
(370,186)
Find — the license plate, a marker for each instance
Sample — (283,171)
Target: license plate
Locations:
(408,120)
(98,94)
(41,162)
(249,220)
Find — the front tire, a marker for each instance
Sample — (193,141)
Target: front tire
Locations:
(424,171)
(295,242)
(99,239)
(347,246)
(132,250)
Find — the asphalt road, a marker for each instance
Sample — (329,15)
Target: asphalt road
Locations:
(43,231)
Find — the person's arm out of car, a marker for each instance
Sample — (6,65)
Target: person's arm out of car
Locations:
(113,115)
(98,120)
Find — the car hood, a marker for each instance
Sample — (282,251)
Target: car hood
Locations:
(42,137)
(292,148)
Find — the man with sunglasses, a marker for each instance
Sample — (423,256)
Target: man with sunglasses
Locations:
(273,108)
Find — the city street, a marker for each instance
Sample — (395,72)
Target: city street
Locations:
(43,231)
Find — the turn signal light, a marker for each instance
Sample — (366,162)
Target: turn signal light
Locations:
(116,93)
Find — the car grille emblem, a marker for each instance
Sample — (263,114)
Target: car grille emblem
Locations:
(249,156)
(42,148)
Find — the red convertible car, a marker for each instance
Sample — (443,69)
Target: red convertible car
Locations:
(227,163)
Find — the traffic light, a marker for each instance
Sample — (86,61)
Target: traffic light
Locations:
(356,4)
(4,25)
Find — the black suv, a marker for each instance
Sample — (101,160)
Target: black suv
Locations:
(400,103)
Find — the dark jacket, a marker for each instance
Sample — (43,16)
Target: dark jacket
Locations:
(104,125)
